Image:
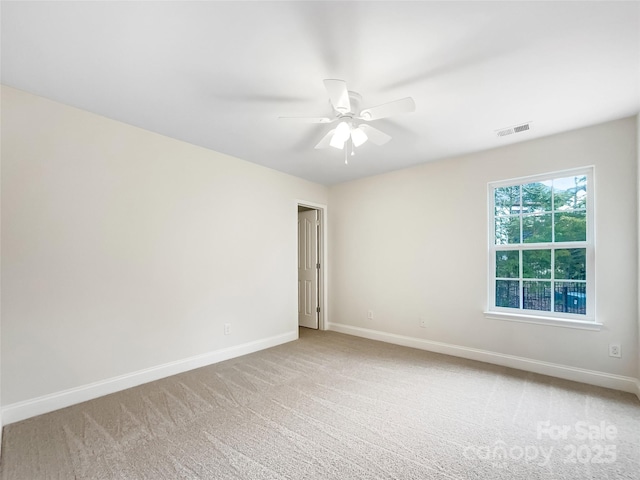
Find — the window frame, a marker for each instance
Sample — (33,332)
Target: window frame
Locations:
(574,320)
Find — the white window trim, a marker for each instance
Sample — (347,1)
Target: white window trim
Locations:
(542,320)
(558,319)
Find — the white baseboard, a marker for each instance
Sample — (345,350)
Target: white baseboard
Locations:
(592,377)
(37,406)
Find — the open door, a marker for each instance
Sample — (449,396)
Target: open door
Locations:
(308,269)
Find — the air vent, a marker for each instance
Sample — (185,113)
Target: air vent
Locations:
(502,133)
(511,130)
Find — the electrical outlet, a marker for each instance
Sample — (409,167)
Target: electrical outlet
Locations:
(615,350)
(370,314)
(423,323)
(227,328)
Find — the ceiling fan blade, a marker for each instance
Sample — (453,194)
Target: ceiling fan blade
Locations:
(375,135)
(325,142)
(307,119)
(339,95)
(404,105)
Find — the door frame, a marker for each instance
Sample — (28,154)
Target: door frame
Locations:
(323,301)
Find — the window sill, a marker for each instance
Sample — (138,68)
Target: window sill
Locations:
(554,322)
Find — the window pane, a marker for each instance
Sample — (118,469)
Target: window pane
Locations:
(536,295)
(570,192)
(571,227)
(507,293)
(507,200)
(507,230)
(536,263)
(536,197)
(571,264)
(571,297)
(541,244)
(536,228)
(507,264)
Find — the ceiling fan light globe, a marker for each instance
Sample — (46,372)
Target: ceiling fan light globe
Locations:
(337,142)
(358,136)
(342,131)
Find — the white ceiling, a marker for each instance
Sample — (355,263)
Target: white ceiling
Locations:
(219,74)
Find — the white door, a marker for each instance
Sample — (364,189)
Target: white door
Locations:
(308,269)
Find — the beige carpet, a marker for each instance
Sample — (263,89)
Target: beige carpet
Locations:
(331,406)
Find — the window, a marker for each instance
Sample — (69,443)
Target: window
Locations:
(541,248)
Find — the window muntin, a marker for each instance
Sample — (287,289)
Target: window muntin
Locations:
(541,246)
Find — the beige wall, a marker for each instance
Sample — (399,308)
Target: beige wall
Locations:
(124,250)
(413,243)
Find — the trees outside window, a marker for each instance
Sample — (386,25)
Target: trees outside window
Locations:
(541,245)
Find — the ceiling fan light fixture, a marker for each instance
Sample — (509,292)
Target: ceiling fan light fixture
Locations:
(358,136)
(342,131)
(341,135)
(353,128)
(337,143)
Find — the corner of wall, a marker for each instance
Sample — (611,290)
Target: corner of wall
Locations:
(1,430)
(638,240)
(1,423)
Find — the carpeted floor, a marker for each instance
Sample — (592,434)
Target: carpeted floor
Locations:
(332,406)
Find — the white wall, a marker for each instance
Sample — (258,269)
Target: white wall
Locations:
(123,249)
(413,243)
(638,234)
(1,422)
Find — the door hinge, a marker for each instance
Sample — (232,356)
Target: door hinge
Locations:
(318,266)
(318,309)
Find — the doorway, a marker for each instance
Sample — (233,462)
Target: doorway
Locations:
(311,304)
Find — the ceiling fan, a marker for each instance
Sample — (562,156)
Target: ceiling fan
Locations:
(353,128)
